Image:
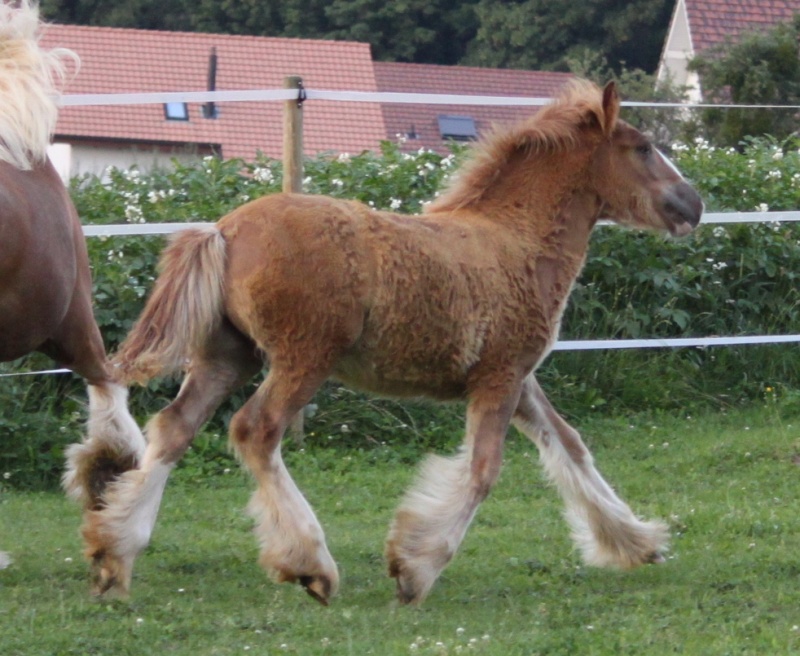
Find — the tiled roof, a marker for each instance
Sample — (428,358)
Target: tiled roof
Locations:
(462,80)
(125,60)
(711,21)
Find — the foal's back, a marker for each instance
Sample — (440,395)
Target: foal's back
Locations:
(391,303)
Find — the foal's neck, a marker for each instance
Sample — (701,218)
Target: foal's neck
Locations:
(571,225)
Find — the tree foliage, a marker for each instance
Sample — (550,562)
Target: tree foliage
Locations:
(545,34)
(761,68)
(512,34)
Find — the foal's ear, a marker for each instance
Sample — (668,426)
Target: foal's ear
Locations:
(610,108)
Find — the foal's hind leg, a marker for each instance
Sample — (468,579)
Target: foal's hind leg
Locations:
(603,526)
(120,528)
(292,541)
(434,515)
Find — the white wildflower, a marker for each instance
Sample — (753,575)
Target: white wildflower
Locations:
(774,175)
(762,207)
(395,203)
(134,214)
(263,174)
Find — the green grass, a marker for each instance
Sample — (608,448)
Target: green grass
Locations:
(726,483)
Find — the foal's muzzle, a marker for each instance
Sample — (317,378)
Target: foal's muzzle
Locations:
(682,207)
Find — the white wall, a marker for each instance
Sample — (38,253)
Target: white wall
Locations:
(678,50)
(77,159)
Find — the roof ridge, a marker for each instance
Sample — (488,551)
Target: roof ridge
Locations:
(201,35)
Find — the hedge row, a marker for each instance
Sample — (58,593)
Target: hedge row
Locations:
(722,280)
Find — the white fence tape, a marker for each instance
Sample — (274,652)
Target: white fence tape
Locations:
(127,230)
(262,95)
(141,229)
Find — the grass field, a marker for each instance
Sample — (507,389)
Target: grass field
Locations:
(726,483)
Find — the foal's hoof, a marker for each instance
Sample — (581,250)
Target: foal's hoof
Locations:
(110,577)
(409,590)
(406,594)
(319,586)
(655,558)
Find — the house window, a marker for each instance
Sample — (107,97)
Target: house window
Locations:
(457,128)
(176,111)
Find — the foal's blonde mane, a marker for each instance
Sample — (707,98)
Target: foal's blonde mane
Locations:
(557,126)
(29,85)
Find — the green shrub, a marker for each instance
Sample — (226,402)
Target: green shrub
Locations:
(724,280)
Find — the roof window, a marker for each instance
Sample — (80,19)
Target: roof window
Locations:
(457,128)
(176,111)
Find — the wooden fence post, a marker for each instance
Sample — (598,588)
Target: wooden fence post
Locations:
(293,137)
(293,180)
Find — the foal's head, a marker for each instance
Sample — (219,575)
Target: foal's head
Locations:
(637,184)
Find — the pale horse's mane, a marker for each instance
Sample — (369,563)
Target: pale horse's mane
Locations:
(555,127)
(30,81)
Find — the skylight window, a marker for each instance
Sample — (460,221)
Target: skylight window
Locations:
(176,111)
(457,128)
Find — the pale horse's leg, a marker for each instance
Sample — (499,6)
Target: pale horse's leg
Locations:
(604,528)
(120,528)
(113,445)
(435,513)
(292,542)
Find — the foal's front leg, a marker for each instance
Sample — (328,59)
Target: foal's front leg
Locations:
(434,515)
(604,528)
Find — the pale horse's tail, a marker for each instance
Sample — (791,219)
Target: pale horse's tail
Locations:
(30,82)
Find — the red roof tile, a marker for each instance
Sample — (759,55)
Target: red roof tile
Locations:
(711,21)
(124,60)
(462,80)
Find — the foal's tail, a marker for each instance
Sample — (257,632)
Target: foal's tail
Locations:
(184,309)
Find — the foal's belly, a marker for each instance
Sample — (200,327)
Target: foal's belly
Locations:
(401,378)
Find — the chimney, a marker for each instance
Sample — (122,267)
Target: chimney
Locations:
(210,109)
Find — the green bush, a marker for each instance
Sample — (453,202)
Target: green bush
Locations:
(723,280)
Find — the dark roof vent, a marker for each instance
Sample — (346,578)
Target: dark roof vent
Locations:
(457,128)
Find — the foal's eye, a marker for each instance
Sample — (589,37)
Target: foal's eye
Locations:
(644,149)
